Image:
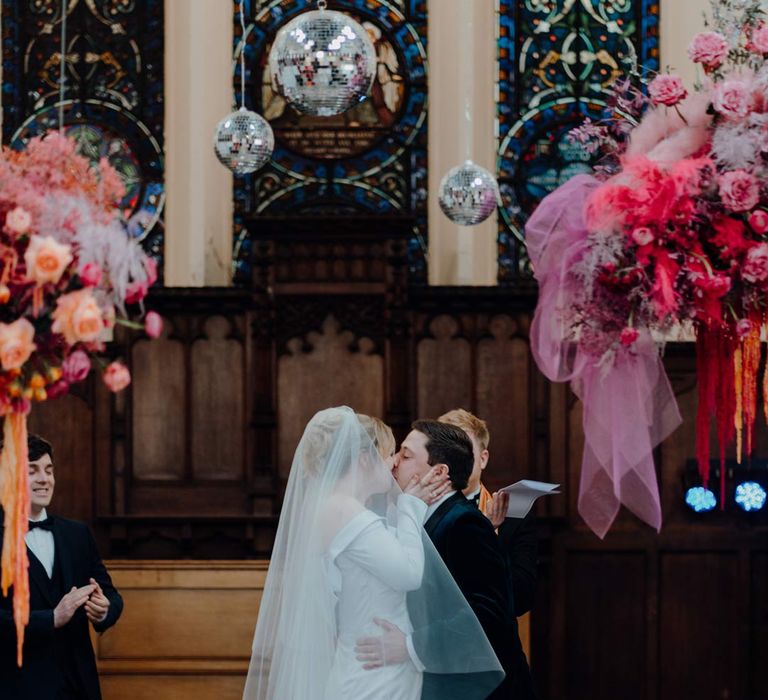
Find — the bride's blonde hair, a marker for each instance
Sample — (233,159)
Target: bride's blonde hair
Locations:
(380,434)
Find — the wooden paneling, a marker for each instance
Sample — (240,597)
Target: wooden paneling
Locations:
(159,420)
(605,627)
(700,646)
(218,402)
(186,631)
(330,372)
(758,616)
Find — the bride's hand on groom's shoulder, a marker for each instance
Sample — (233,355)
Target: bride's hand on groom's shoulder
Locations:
(386,650)
(431,487)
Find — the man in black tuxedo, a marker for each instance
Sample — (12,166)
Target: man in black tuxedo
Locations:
(69,587)
(468,545)
(517,536)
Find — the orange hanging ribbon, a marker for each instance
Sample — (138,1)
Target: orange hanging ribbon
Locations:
(738,416)
(14,497)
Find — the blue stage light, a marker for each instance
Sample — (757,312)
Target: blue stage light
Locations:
(750,495)
(700,499)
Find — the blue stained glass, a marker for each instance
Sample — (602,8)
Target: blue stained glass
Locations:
(750,496)
(556,59)
(378,162)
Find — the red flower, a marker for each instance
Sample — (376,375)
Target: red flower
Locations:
(629,336)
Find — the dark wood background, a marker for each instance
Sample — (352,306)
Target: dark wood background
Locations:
(191,461)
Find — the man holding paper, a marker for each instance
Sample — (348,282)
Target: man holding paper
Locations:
(517,535)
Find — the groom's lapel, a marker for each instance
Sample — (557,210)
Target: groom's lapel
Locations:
(443,509)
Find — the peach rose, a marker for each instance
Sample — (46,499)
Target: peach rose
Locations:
(16,343)
(18,221)
(78,317)
(116,376)
(46,259)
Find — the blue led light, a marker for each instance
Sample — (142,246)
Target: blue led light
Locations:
(750,495)
(700,499)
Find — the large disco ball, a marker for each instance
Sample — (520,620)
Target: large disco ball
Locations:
(244,141)
(323,62)
(468,194)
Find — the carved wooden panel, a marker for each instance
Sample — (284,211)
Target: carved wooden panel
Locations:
(444,369)
(330,368)
(158,417)
(218,402)
(503,399)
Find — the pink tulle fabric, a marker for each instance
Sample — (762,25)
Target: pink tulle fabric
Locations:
(628,407)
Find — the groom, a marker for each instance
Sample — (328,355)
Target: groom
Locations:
(69,588)
(466,541)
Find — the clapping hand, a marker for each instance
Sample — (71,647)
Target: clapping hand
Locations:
(388,649)
(69,605)
(431,487)
(496,510)
(97,606)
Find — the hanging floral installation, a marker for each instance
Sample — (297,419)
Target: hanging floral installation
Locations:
(671,231)
(68,268)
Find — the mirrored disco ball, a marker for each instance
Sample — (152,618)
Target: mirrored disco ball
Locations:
(244,141)
(468,194)
(323,62)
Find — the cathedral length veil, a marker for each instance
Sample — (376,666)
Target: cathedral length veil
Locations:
(295,639)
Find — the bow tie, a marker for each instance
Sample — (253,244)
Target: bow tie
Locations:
(46,524)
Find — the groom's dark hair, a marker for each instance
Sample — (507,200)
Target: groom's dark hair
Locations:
(449,445)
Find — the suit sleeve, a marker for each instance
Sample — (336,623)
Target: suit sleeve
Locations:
(40,625)
(520,542)
(475,559)
(101,575)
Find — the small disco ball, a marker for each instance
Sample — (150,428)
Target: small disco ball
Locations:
(244,141)
(323,62)
(468,194)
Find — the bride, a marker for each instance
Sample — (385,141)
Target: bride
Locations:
(351,551)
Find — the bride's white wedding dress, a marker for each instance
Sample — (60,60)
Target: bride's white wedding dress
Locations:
(371,567)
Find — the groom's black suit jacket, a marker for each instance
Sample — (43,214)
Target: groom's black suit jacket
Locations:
(55,659)
(468,545)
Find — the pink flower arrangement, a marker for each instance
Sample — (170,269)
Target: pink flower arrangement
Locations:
(68,267)
(671,232)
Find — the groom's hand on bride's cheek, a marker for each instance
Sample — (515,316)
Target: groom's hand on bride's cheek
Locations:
(386,650)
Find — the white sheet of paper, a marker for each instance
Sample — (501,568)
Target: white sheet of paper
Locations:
(522,495)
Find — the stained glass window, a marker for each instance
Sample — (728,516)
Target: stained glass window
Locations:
(556,59)
(113,98)
(372,158)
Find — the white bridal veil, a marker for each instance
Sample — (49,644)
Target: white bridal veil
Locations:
(338,476)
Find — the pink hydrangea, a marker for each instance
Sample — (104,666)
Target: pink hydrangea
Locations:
(755,268)
(708,48)
(667,90)
(733,98)
(739,190)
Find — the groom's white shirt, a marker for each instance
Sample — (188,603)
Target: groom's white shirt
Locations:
(409,639)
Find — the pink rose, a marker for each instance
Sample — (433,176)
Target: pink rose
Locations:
(153,325)
(136,292)
(629,336)
(732,98)
(743,328)
(76,367)
(709,49)
(739,190)
(759,41)
(46,259)
(16,343)
(18,221)
(667,90)
(90,275)
(755,268)
(642,235)
(758,220)
(116,376)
